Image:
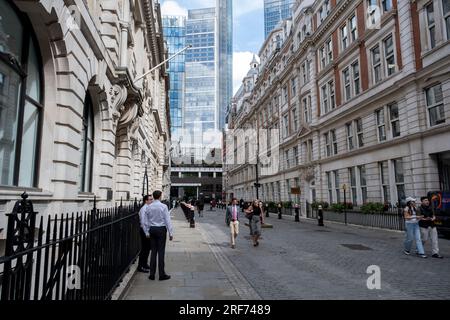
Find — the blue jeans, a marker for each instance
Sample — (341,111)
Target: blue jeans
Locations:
(413,233)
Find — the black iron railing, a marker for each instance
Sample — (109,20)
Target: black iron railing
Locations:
(391,219)
(81,256)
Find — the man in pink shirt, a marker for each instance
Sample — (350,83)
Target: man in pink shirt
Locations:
(232,218)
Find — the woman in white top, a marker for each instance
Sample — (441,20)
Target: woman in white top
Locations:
(412,228)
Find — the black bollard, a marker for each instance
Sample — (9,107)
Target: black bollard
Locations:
(297,214)
(320,216)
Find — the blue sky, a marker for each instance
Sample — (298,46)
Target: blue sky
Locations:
(248,29)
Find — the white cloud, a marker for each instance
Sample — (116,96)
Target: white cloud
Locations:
(241,66)
(172,8)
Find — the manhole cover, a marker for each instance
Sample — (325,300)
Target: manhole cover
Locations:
(358,247)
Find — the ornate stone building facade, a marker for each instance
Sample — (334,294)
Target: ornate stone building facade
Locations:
(74,122)
(360,94)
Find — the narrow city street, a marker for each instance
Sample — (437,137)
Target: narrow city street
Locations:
(293,261)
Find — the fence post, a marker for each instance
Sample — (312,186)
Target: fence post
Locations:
(19,237)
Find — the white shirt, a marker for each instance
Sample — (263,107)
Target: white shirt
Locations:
(157,215)
(141,215)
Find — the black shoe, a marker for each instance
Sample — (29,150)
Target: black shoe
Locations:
(407,252)
(143,270)
(437,256)
(164,277)
(151,277)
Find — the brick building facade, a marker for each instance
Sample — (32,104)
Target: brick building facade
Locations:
(360,94)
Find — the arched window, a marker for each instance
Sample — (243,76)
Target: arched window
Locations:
(20,99)
(87,146)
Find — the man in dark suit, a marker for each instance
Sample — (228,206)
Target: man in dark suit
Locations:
(145,242)
(156,226)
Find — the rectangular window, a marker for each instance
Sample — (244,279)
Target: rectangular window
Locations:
(356,83)
(372,4)
(327,144)
(394,119)
(381,125)
(337,186)
(334,141)
(329,51)
(353,28)
(384,177)
(285,95)
(304,72)
(344,37)
(347,84)
(309,150)
(296,156)
(399,178)
(325,104)
(307,109)
(332,96)
(352,175)
(330,187)
(389,55)
(446,12)
(350,143)
(286,126)
(322,56)
(308,70)
(435,105)
(295,119)
(294,86)
(431,26)
(286,156)
(363,183)
(387,5)
(376,64)
(359,132)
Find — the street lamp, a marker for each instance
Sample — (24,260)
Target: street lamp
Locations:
(145,184)
(344,187)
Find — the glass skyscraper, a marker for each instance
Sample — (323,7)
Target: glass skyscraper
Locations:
(276,11)
(174,29)
(196,157)
(201,110)
(225,87)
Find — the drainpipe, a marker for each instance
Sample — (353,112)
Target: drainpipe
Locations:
(124,33)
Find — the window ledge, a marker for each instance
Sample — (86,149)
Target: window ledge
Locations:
(9,193)
(436,48)
(86,195)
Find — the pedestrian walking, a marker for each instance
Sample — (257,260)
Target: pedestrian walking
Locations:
(145,242)
(232,219)
(255,222)
(247,210)
(412,228)
(200,206)
(427,226)
(261,206)
(156,226)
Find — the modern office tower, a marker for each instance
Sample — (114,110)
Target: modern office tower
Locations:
(196,155)
(174,29)
(225,87)
(274,12)
(201,103)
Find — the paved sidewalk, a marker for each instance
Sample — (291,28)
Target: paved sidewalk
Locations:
(196,273)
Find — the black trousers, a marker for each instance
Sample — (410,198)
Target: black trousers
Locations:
(145,249)
(158,237)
